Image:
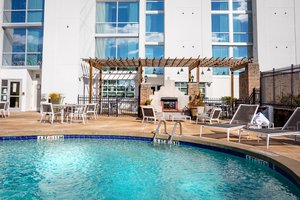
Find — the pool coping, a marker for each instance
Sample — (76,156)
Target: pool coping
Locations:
(288,167)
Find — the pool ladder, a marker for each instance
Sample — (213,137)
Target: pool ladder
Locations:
(170,135)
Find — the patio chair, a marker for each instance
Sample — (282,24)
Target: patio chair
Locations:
(47,110)
(91,110)
(2,109)
(243,116)
(77,112)
(149,112)
(214,116)
(291,127)
(6,109)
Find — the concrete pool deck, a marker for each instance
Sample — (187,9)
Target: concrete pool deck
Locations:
(284,151)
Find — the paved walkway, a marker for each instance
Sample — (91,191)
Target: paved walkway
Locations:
(27,123)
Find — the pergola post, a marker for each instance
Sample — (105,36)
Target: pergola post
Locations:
(190,75)
(232,83)
(100,82)
(90,82)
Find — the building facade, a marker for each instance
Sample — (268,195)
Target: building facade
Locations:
(42,43)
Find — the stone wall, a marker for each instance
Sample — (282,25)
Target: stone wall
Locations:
(145,92)
(248,80)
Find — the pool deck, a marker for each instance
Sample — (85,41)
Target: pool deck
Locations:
(282,150)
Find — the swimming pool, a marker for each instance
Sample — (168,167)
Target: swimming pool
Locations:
(126,169)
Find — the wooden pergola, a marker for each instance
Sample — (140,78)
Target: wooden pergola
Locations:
(139,63)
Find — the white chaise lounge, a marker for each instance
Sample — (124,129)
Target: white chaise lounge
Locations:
(291,127)
(243,116)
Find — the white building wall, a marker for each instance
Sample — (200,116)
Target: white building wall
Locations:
(188,34)
(278,26)
(61,49)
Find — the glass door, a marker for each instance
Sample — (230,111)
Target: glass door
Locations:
(14,94)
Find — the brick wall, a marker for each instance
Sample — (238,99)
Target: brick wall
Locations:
(248,80)
(145,92)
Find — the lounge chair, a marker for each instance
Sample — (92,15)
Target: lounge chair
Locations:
(291,127)
(47,110)
(214,116)
(243,116)
(4,109)
(150,113)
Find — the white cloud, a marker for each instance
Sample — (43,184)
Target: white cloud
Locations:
(219,38)
(154,37)
(242,4)
(242,18)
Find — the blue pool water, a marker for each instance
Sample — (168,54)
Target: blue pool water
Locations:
(122,169)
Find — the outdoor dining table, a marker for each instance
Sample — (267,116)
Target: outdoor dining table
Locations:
(63,107)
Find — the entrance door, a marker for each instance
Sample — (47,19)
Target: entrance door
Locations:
(14,94)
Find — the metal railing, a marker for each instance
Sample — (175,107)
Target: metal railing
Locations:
(118,107)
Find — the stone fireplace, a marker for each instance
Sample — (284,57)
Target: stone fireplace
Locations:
(169,104)
(169,98)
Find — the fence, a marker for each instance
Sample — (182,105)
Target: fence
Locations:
(113,106)
(281,87)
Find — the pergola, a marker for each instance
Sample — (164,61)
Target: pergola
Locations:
(190,63)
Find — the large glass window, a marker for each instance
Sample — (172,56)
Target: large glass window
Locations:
(242,51)
(22,46)
(21,11)
(117,47)
(154,51)
(117,17)
(219,4)
(220,52)
(220,28)
(242,5)
(242,28)
(155,28)
(119,88)
(155,5)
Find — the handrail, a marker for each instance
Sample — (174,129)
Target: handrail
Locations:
(170,139)
(157,131)
(174,130)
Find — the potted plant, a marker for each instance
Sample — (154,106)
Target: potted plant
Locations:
(195,102)
(55,98)
(148,102)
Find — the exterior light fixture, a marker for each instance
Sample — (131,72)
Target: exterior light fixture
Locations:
(208,69)
(154,70)
(202,73)
(146,78)
(178,72)
(181,70)
(192,77)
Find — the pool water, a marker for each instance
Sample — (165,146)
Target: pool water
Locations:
(125,169)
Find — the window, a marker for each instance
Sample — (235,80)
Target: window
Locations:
(221,52)
(4,90)
(241,5)
(182,86)
(117,17)
(21,11)
(154,5)
(154,51)
(117,47)
(22,46)
(155,28)
(219,4)
(242,28)
(242,51)
(119,88)
(202,89)
(220,28)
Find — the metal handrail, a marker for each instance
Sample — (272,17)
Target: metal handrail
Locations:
(170,139)
(174,130)
(157,131)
